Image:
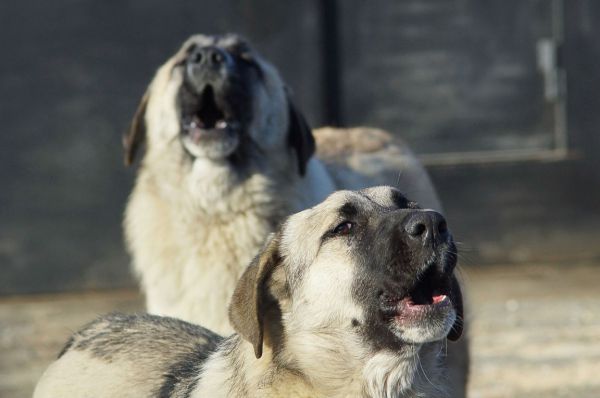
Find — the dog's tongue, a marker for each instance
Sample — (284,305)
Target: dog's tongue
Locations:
(195,129)
(195,134)
(439,298)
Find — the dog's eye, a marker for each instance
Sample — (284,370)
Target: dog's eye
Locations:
(246,56)
(242,51)
(344,228)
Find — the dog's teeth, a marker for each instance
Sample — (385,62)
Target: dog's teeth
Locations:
(221,124)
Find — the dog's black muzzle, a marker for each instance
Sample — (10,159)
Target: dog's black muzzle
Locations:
(414,244)
(215,99)
(411,257)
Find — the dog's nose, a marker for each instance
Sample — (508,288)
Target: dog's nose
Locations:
(209,56)
(426,227)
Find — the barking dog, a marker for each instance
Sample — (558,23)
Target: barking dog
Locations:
(353,297)
(227,157)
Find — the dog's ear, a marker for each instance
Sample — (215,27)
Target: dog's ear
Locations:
(300,136)
(249,301)
(136,135)
(457,302)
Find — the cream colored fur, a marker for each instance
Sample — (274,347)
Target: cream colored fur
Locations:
(192,228)
(381,375)
(319,353)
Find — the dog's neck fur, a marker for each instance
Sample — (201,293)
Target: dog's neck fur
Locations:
(384,374)
(175,220)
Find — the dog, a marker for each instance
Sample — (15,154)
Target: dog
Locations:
(228,156)
(353,297)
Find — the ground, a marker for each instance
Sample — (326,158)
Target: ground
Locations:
(535,331)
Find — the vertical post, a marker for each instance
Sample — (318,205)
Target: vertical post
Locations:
(331,71)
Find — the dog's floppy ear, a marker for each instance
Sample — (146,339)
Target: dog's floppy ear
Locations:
(136,135)
(300,136)
(249,301)
(457,302)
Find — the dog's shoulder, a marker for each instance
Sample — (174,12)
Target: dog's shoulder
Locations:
(359,157)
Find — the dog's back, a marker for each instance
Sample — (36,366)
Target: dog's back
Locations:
(360,157)
(129,356)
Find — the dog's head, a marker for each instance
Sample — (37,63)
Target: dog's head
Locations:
(217,99)
(365,269)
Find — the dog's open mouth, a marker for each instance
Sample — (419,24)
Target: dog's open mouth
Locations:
(203,117)
(430,296)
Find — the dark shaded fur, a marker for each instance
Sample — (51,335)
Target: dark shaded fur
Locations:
(233,91)
(398,264)
(67,346)
(182,377)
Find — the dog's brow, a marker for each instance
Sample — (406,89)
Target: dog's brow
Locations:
(398,199)
(348,210)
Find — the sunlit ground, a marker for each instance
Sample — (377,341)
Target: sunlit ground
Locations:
(535,331)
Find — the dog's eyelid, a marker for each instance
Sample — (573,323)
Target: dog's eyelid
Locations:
(247,56)
(341,228)
(241,49)
(344,228)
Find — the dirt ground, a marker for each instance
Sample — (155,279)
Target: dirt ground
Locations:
(535,331)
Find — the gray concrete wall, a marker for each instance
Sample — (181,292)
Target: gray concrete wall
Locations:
(446,76)
(70,78)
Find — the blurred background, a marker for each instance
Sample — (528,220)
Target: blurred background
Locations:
(498,97)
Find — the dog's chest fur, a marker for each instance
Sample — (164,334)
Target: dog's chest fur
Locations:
(234,372)
(192,237)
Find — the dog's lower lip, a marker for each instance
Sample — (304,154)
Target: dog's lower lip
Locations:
(395,307)
(407,312)
(437,301)
(196,130)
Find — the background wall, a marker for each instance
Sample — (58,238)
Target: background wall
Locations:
(511,144)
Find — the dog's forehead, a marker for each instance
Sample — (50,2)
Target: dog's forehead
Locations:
(370,200)
(311,222)
(232,39)
(226,40)
(386,196)
(337,202)
(379,198)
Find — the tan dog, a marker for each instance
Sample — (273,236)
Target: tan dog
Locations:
(353,297)
(228,156)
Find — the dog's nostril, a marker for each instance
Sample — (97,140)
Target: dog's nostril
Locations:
(208,56)
(426,225)
(197,58)
(442,227)
(216,57)
(416,229)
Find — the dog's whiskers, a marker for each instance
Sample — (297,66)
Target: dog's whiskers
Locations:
(435,386)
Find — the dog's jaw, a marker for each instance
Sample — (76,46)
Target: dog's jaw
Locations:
(210,127)
(413,373)
(424,314)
